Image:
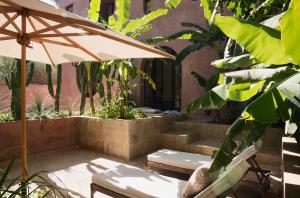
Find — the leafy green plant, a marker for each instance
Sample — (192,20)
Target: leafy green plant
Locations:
(120,21)
(38,112)
(111,110)
(56,95)
(6,117)
(269,73)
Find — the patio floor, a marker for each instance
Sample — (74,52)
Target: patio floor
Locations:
(71,170)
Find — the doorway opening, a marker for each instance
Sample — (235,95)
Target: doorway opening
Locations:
(167,77)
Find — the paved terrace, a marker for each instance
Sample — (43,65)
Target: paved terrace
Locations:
(71,170)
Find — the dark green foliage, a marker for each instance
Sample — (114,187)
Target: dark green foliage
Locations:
(55,96)
(81,80)
(6,117)
(13,81)
(111,110)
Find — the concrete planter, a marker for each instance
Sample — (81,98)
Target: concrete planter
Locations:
(127,139)
(43,135)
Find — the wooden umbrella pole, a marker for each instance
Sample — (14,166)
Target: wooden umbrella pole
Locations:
(23,42)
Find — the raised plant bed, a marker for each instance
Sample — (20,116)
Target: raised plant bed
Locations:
(43,135)
(126,139)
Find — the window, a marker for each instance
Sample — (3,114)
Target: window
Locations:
(147,6)
(69,8)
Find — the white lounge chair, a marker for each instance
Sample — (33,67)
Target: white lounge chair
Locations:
(187,162)
(127,181)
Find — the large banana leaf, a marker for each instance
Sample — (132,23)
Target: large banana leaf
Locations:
(191,35)
(291,30)
(264,111)
(94,10)
(132,25)
(291,89)
(218,96)
(188,50)
(172,3)
(251,75)
(261,41)
(122,13)
(245,60)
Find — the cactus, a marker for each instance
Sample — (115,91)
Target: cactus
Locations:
(13,81)
(55,96)
(82,80)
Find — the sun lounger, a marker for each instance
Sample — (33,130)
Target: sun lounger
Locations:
(187,162)
(127,181)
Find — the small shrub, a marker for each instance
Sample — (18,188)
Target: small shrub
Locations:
(6,117)
(111,110)
(38,112)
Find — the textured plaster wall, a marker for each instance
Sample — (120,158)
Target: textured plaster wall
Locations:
(43,135)
(188,11)
(127,139)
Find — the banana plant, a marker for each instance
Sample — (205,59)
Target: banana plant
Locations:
(270,74)
(120,21)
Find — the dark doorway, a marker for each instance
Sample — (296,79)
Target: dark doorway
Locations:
(167,78)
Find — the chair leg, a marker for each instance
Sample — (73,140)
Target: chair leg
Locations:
(146,165)
(92,191)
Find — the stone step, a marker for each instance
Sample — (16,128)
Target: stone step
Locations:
(203,130)
(205,147)
(176,139)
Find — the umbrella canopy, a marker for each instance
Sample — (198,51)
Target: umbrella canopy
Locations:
(51,35)
(56,36)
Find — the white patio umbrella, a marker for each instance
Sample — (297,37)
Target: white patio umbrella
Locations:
(33,30)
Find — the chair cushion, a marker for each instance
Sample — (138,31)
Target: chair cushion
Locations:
(134,182)
(180,159)
(198,181)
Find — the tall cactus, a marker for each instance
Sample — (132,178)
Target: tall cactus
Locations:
(13,81)
(55,95)
(83,80)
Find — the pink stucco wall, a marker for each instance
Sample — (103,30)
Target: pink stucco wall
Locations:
(188,11)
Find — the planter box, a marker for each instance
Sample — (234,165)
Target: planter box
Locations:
(121,138)
(42,135)
(127,139)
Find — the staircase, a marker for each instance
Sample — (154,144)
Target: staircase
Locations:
(205,138)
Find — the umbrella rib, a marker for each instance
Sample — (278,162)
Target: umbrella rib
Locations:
(61,35)
(37,32)
(69,40)
(4,38)
(9,9)
(8,22)
(52,42)
(9,33)
(12,4)
(44,46)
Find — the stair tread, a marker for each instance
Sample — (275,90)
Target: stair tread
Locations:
(208,143)
(178,132)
